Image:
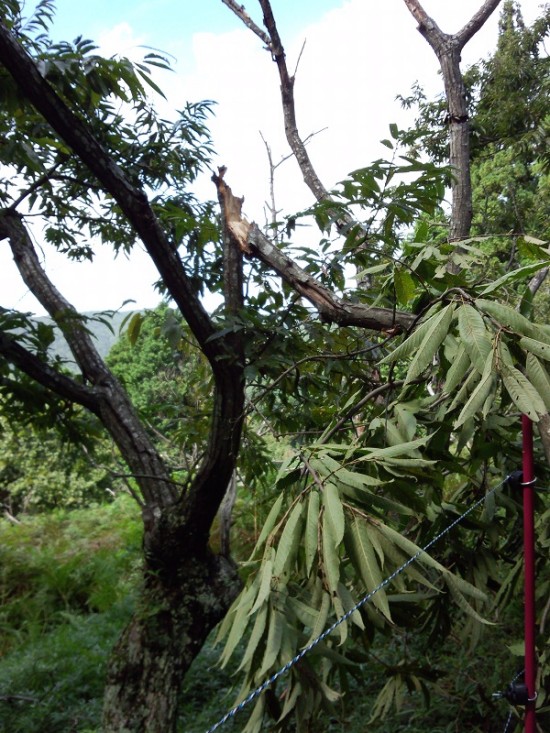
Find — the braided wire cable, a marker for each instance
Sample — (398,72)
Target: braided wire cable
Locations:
(366,598)
(511,712)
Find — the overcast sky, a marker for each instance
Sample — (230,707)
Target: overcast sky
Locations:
(358,55)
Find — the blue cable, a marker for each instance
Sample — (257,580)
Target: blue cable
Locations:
(258,691)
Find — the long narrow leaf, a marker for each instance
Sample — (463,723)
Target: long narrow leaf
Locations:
(431,342)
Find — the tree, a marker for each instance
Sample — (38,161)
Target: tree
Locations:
(346,512)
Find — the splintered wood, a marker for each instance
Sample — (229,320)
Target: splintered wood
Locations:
(231,206)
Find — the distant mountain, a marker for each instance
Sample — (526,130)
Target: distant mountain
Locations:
(105,333)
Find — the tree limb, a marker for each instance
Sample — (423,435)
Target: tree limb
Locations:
(241,13)
(199,506)
(331,308)
(132,200)
(110,403)
(476,21)
(342,220)
(45,375)
(447,48)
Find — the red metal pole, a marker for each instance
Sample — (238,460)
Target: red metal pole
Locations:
(529,570)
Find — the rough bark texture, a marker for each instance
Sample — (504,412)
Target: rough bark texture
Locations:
(448,48)
(171,624)
(186,588)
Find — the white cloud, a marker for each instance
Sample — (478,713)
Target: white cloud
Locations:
(356,59)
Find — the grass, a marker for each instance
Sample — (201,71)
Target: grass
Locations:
(66,590)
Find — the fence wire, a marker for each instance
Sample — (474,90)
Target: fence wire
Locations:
(274,677)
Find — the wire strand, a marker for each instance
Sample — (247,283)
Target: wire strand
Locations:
(274,677)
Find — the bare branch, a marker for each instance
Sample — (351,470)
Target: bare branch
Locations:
(331,308)
(343,221)
(477,21)
(241,13)
(447,48)
(289,109)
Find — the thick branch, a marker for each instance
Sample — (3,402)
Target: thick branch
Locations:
(132,200)
(477,21)
(206,493)
(49,378)
(331,308)
(110,403)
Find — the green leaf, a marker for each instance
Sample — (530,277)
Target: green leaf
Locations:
(237,620)
(462,394)
(288,543)
(393,451)
(266,573)
(539,378)
(357,480)
(269,522)
(255,637)
(457,370)
(322,617)
(474,336)
(349,602)
(522,392)
(331,555)
(273,642)
(334,512)
(306,614)
(431,343)
(409,547)
(339,611)
(312,529)
(477,399)
(134,328)
(404,286)
(536,347)
(510,318)
(363,556)
(255,722)
(411,343)
(461,602)
(520,274)
(376,503)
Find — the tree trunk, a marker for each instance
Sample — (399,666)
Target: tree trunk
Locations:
(448,48)
(175,613)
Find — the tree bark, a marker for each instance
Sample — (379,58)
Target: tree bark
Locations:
(186,588)
(448,48)
(174,617)
(342,220)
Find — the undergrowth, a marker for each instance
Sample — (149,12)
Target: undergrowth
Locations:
(67,583)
